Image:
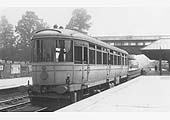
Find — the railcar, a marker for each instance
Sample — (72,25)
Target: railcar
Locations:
(68,65)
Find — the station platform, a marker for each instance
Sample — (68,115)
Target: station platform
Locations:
(142,94)
(157,73)
(15,82)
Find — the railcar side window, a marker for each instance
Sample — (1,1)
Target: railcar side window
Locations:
(121,55)
(126,60)
(91,53)
(99,55)
(105,58)
(111,59)
(91,56)
(122,59)
(115,59)
(85,55)
(119,59)
(77,54)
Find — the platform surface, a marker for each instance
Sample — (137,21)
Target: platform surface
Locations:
(144,93)
(15,82)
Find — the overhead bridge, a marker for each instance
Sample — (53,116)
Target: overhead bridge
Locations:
(132,44)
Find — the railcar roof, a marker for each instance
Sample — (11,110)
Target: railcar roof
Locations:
(72,34)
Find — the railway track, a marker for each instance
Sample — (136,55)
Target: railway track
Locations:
(13,99)
(13,107)
(13,103)
(19,104)
(30,108)
(23,107)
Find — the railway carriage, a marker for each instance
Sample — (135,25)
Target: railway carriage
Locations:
(68,65)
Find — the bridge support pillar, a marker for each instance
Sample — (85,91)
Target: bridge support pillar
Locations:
(169,65)
(160,66)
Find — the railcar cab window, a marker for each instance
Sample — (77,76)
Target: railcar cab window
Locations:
(51,50)
(64,51)
(43,50)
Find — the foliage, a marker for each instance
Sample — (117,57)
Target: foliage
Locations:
(25,29)
(7,39)
(79,20)
(27,26)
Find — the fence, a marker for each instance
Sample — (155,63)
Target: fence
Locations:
(15,69)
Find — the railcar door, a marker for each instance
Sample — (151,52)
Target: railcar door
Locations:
(108,66)
(81,61)
(85,65)
(106,62)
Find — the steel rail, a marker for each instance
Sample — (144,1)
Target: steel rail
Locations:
(42,109)
(13,99)
(8,108)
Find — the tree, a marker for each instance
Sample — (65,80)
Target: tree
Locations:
(7,38)
(79,20)
(27,26)
(25,29)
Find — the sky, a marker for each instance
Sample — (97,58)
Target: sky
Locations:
(116,18)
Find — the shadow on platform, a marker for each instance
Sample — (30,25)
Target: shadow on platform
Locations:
(157,73)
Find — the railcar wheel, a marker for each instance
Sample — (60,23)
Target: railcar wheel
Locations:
(73,97)
(112,84)
(117,82)
(126,79)
(79,95)
(107,85)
